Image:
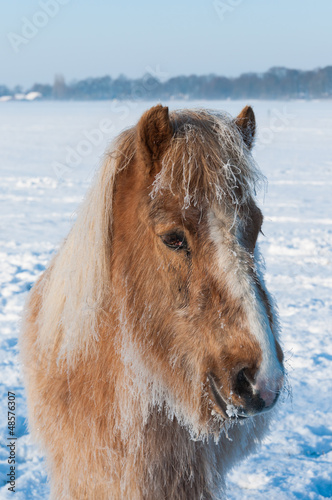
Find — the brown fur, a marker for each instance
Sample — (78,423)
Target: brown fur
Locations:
(118,394)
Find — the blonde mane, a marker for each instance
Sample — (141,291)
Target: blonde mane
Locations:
(207,159)
(78,290)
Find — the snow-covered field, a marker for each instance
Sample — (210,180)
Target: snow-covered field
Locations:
(38,198)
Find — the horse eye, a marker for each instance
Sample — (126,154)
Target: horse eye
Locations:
(175,241)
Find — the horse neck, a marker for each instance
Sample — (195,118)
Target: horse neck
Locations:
(147,452)
(156,453)
(161,461)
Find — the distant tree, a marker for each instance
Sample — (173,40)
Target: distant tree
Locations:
(18,89)
(45,90)
(247,86)
(218,87)
(321,83)
(4,90)
(59,87)
(92,88)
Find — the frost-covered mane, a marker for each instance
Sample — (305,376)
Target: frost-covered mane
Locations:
(207,159)
(78,290)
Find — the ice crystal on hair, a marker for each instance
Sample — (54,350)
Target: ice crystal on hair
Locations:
(207,152)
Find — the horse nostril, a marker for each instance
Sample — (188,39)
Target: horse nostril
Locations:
(256,395)
(242,385)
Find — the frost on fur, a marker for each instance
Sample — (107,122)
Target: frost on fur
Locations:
(149,369)
(207,159)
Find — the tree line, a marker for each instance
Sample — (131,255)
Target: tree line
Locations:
(276,83)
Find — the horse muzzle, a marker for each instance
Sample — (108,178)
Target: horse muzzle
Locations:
(247,398)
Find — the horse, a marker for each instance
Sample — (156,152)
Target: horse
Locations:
(150,345)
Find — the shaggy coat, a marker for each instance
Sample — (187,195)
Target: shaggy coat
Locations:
(150,347)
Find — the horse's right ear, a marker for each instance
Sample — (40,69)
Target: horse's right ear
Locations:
(154,132)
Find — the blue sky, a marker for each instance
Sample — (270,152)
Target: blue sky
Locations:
(94,37)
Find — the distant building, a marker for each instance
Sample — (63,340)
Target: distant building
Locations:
(32,96)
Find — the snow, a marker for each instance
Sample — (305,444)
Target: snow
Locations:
(37,206)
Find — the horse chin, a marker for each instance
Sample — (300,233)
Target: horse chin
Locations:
(228,411)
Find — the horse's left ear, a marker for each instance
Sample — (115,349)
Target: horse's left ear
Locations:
(246,124)
(154,132)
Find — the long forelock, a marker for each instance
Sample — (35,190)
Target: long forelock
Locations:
(207,160)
